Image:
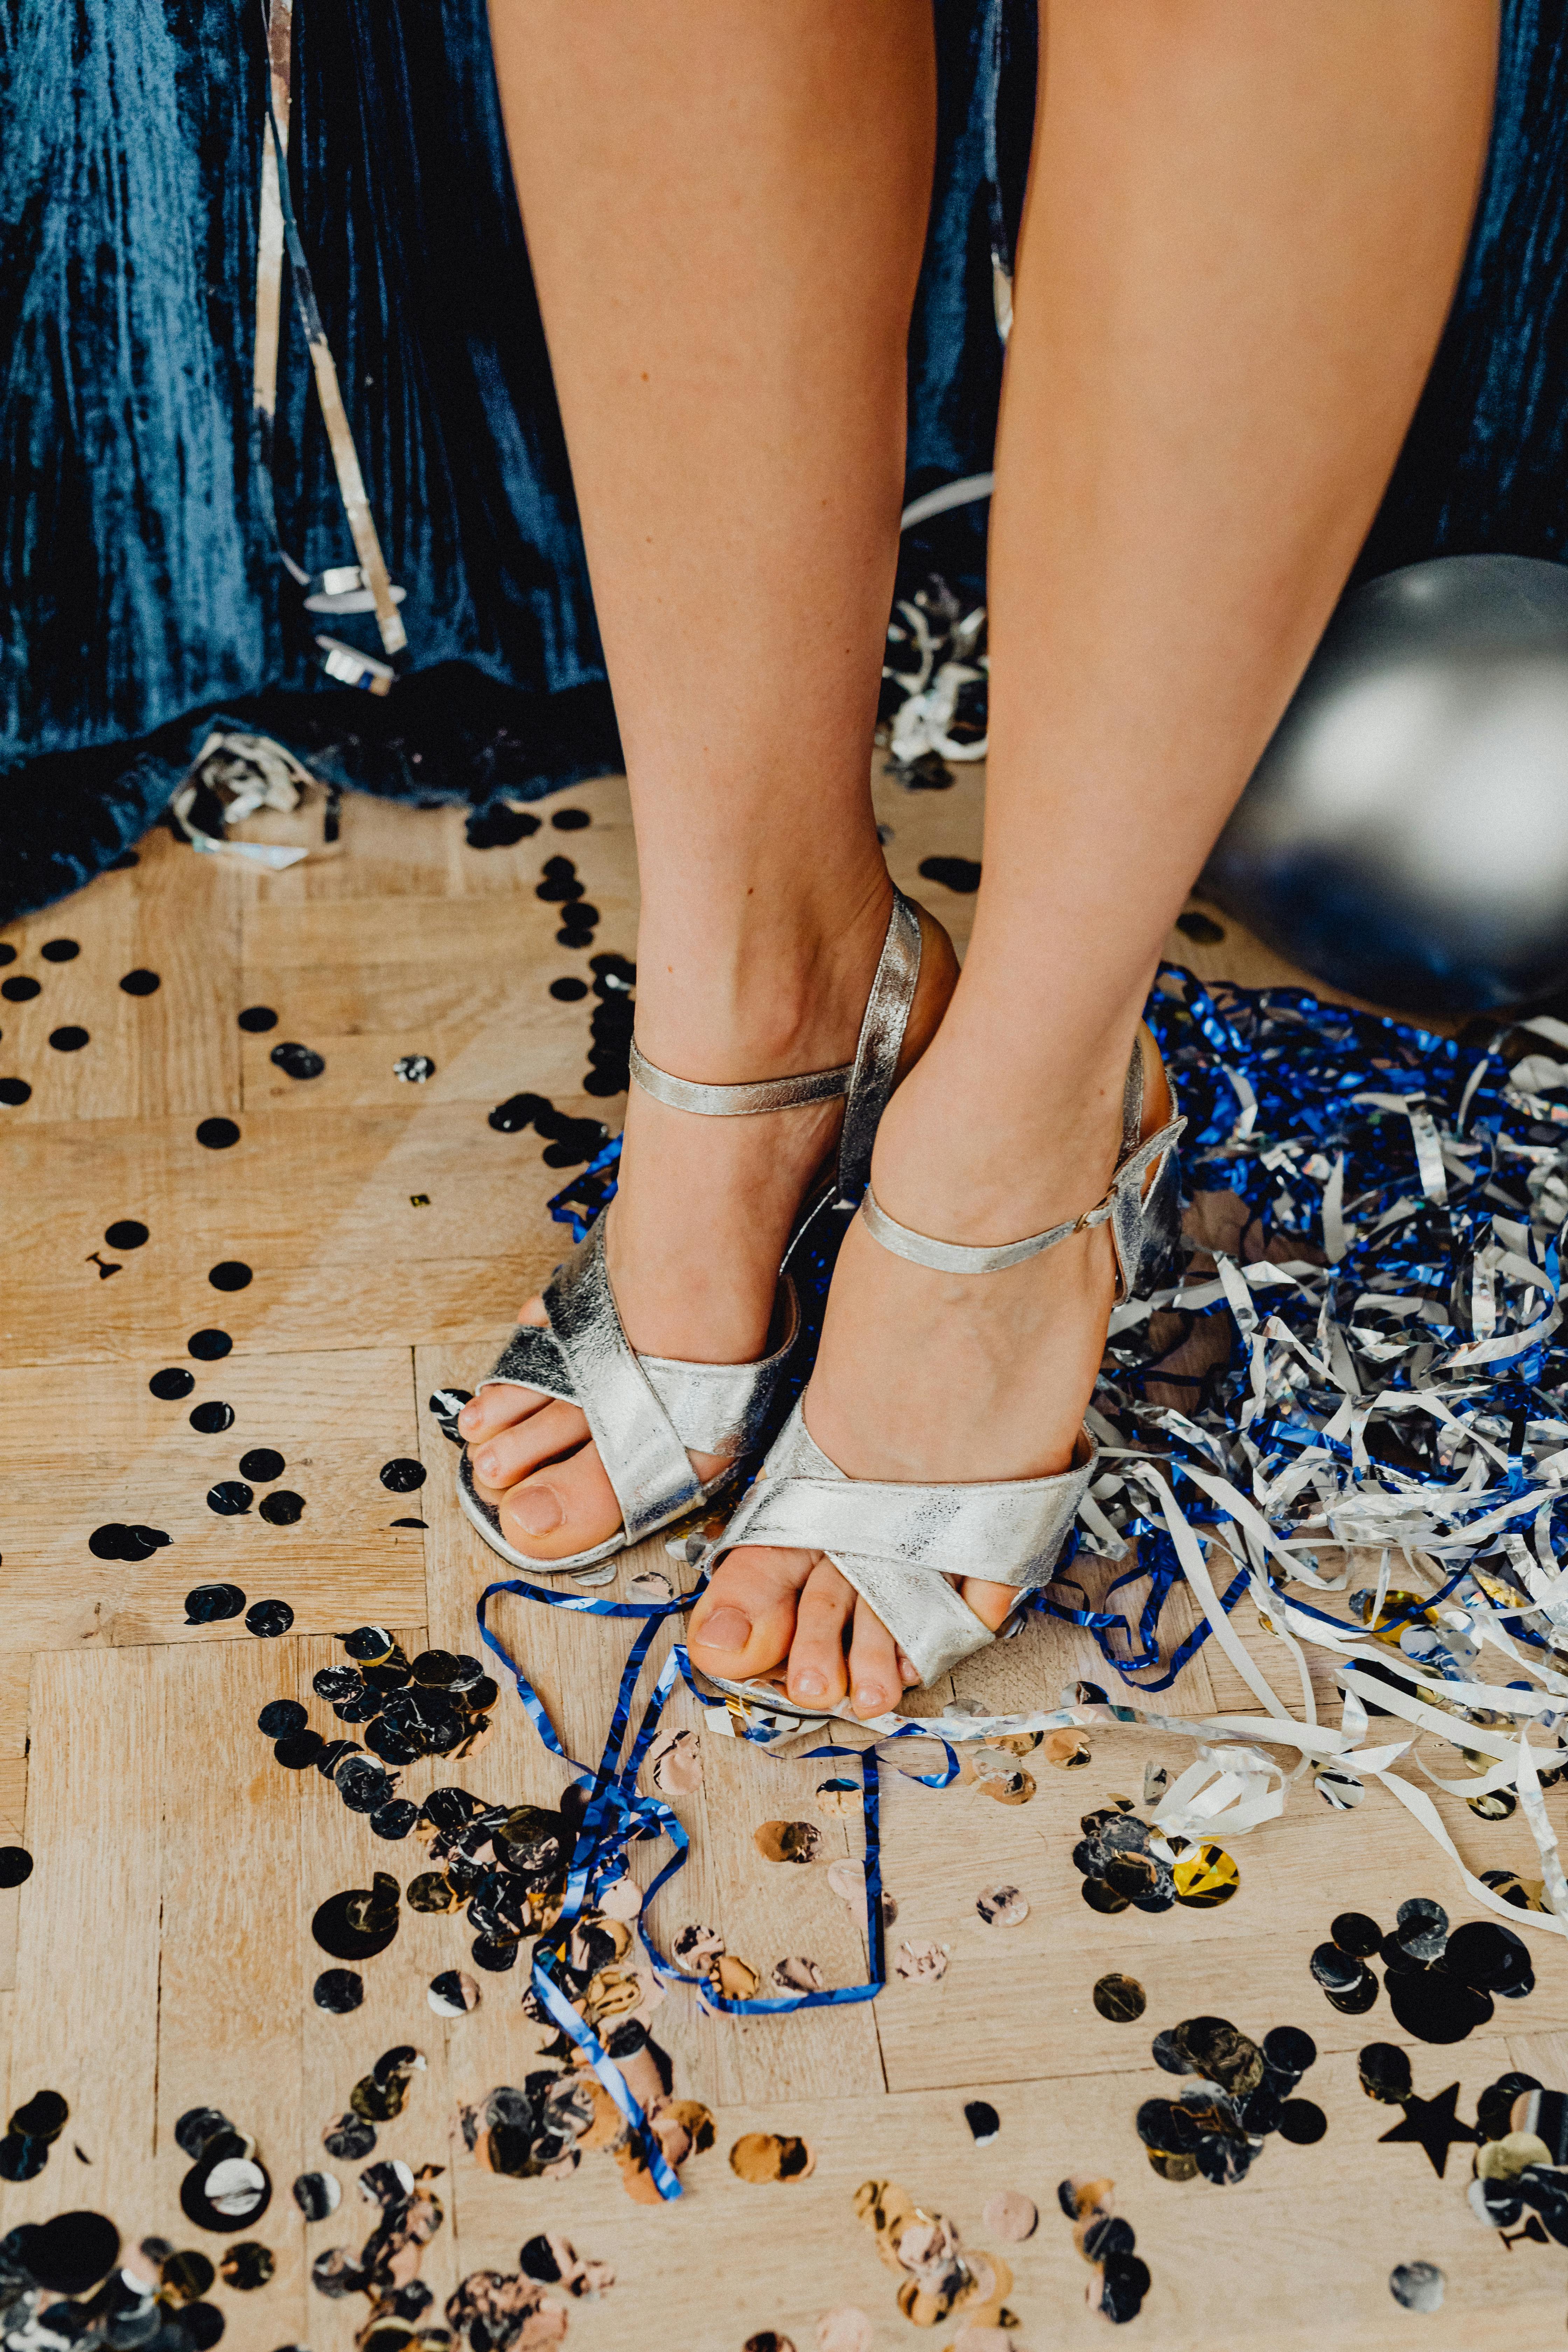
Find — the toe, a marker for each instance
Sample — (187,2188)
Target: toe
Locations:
(992,1604)
(568,1507)
(744,1622)
(876,1683)
(510,1455)
(495,1409)
(816,1670)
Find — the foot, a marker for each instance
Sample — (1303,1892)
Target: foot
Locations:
(703,1208)
(936,1378)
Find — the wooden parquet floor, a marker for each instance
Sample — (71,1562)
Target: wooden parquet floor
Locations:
(160,1956)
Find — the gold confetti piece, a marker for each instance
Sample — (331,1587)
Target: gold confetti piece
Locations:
(798,1976)
(1205,1876)
(1007,1787)
(922,1962)
(1501,2159)
(1001,1906)
(1121,1999)
(734,1980)
(1010,2215)
(763,2157)
(674,1763)
(1069,1748)
(622,1900)
(798,1842)
(844,2329)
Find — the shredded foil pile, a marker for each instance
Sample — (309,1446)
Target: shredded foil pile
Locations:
(1347,1407)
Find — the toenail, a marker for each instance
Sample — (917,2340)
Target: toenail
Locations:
(471,1416)
(487,1466)
(726,1629)
(537,1510)
(808,1683)
(870,1694)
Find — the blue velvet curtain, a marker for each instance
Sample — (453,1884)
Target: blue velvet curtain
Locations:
(139,589)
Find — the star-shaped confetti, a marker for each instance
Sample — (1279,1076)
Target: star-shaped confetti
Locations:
(1434,2124)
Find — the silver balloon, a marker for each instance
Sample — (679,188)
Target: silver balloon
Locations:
(1404,837)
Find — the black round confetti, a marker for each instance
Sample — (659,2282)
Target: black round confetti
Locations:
(1384,2070)
(334,1682)
(958,873)
(60,950)
(394,1820)
(227,2188)
(279,1717)
(349,2137)
(209,1604)
(1110,2235)
(360,1921)
(1102,1898)
(982,2119)
(1302,2122)
(1262,2108)
(212,1417)
(268,1619)
(1352,1931)
(230,1497)
(491,1952)
(258,1019)
(1339,1972)
(140,983)
(402,1475)
(282,1508)
(367,1642)
(1124,2283)
(73,2252)
(295,1750)
(566,820)
(317,2195)
(68,1040)
(22,2158)
(171,1385)
(1494,2108)
(408,1523)
(15,1865)
(1436,2007)
(230,1274)
(218,1134)
(1288,2050)
(20,989)
(1487,1954)
(126,1233)
(263,1464)
(298,1061)
(208,1346)
(339,1990)
(15,1092)
(192,2131)
(203,2323)
(1421,1927)
(1121,1999)
(116,1542)
(43,2116)
(248,2265)
(568,991)
(7,954)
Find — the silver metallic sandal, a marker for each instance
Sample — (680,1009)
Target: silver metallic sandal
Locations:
(899,1543)
(645,1411)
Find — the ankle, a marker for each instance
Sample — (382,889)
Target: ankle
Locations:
(763,989)
(979,1150)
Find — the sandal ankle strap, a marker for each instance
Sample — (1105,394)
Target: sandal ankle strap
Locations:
(1123,1202)
(866,1081)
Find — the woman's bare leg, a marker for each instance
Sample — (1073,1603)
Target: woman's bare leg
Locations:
(1243,230)
(725,203)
